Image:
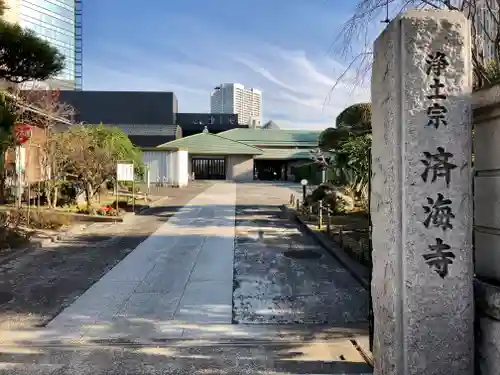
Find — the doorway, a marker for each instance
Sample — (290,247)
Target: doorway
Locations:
(270,170)
(208,169)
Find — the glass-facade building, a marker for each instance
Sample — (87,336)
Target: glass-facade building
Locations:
(59,22)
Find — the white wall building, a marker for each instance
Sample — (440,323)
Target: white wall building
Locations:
(236,98)
(167,167)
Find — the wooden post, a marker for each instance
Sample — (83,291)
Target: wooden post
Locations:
(116,192)
(327,220)
(39,193)
(320,215)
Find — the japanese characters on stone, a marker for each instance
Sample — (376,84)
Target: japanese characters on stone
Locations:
(436,112)
(438,166)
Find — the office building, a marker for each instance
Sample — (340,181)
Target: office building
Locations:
(235,98)
(60,23)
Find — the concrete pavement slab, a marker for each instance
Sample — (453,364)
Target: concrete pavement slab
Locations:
(149,306)
(215,260)
(206,302)
(100,303)
(171,272)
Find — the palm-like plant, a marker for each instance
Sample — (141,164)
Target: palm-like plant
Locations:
(353,164)
(350,145)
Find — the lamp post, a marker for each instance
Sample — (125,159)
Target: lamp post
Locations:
(304,189)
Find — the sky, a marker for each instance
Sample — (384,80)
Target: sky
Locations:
(282,47)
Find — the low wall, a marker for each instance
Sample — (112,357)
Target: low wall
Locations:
(486,105)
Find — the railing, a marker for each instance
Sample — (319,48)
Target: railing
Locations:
(320,215)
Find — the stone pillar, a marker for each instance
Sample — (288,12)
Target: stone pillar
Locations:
(422,286)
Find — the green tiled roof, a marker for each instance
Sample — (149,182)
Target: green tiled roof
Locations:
(270,137)
(211,144)
(285,153)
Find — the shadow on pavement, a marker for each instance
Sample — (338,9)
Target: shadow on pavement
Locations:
(211,349)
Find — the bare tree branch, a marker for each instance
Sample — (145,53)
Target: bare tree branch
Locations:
(354,41)
(53,111)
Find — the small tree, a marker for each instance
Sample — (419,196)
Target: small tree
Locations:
(94,152)
(53,160)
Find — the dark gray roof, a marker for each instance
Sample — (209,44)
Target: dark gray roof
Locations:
(150,140)
(122,107)
(149,130)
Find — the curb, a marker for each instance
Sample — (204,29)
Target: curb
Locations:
(44,241)
(353,267)
(152,204)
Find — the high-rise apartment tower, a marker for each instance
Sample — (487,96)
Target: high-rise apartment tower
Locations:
(60,23)
(235,98)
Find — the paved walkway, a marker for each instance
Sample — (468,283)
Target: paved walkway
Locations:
(182,273)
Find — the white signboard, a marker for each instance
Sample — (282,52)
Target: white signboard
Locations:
(125,172)
(34,85)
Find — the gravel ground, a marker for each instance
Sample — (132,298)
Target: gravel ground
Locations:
(270,287)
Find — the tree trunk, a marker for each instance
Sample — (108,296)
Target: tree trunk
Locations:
(2,186)
(3,176)
(88,194)
(55,196)
(48,196)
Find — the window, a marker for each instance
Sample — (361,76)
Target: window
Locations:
(53,20)
(51,8)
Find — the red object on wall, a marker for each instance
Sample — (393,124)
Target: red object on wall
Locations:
(22,132)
